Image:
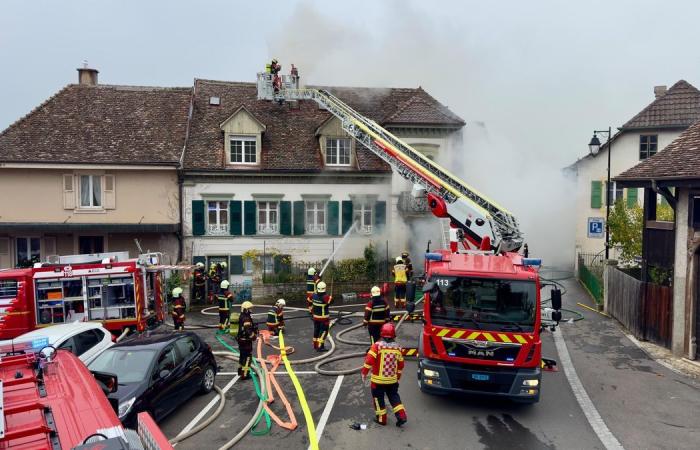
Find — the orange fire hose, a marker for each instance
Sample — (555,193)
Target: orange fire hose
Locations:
(270,380)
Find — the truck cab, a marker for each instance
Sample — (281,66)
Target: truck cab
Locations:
(482,326)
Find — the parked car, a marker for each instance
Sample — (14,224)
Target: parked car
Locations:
(157,372)
(84,339)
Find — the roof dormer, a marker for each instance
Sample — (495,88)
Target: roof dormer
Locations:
(242,138)
(337,146)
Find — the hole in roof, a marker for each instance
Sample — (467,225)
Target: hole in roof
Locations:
(214,100)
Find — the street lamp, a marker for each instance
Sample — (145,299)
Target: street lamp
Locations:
(594,147)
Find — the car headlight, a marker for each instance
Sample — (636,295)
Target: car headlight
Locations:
(531,383)
(125,407)
(431,373)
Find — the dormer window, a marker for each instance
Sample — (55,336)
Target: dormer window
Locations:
(338,151)
(243,149)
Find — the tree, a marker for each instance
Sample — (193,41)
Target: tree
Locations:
(625,226)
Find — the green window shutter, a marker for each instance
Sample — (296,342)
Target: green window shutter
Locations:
(596,194)
(347,215)
(298,218)
(236,208)
(198,217)
(249,223)
(235,264)
(198,259)
(380,215)
(286,218)
(631,197)
(333,216)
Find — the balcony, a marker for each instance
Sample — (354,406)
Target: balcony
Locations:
(217,229)
(268,228)
(314,228)
(410,206)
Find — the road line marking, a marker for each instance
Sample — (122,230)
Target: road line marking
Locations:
(589,410)
(329,406)
(206,409)
(278,372)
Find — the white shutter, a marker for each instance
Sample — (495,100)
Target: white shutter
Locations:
(68,191)
(109,192)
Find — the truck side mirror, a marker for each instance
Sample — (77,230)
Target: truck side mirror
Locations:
(556,299)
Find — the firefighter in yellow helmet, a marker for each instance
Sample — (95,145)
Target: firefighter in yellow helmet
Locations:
(376,314)
(247,334)
(400,278)
(179,306)
(321,316)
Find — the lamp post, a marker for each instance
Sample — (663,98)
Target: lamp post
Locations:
(594,147)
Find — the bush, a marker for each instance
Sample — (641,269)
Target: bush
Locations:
(370,262)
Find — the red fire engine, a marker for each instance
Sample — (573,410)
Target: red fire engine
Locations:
(110,288)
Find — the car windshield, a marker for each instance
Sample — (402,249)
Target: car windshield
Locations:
(494,304)
(128,364)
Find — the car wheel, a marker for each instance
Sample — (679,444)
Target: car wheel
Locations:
(208,380)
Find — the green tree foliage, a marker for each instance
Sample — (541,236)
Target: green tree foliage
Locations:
(626,230)
(370,261)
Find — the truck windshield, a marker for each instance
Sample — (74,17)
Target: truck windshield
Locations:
(482,303)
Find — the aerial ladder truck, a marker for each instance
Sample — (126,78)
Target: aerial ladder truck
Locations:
(481,312)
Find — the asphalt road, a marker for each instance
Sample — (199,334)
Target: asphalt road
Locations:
(643,404)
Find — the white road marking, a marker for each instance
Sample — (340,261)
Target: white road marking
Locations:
(209,406)
(592,415)
(329,406)
(281,372)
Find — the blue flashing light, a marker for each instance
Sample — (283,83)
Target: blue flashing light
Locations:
(433,256)
(40,343)
(532,262)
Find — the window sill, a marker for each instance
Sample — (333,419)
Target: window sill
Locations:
(90,211)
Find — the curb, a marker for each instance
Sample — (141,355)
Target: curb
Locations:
(661,361)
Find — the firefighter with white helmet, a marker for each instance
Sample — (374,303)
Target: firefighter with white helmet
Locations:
(179,307)
(377,313)
(225,299)
(275,317)
(247,334)
(321,315)
(312,280)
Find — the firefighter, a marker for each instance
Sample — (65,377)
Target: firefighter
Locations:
(400,278)
(275,68)
(409,266)
(178,309)
(384,361)
(200,282)
(275,317)
(376,314)
(320,315)
(311,281)
(526,251)
(246,336)
(214,282)
(225,301)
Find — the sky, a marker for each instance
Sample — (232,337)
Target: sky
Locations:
(531,79)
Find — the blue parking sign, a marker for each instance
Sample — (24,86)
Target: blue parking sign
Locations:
(596,227)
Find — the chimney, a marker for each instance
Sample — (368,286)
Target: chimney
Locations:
(87,76)
(659,91)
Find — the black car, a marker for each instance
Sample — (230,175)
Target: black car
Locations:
(157,372)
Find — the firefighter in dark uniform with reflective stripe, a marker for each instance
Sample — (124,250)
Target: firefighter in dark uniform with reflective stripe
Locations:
(311,281)
(225,301)
(178,309)
(320,315)
(376,314)
(275,317)
(247,334)
(409,265)
(200,282)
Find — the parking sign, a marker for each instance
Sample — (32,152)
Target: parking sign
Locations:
(596,227)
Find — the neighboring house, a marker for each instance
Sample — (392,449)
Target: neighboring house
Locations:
(674,173)
(267,180)
(91,169)
(652,129)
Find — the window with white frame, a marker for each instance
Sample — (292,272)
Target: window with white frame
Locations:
(338,151)
(243,150)
(614,193)
(90,191)
(217,217)
(268,217)
(315,217)
(364,212)
(27,250)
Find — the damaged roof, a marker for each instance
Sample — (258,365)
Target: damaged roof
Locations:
(102,124)
(678,107)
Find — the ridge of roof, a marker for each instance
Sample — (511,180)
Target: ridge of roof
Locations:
(681,96)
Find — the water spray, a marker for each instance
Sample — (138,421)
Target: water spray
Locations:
(342,241)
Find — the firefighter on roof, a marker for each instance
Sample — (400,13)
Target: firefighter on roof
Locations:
(178,309)
(320,315)
(200,282)
(400,278)
(247,334)
(376,314)
(275,317)
(385,362)
(225,302)
(312,280)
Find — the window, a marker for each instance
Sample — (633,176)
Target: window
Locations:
(268,217)
(315,217)
(363,215)
(168,360)
(91,244)
(268,263)
(68,344)
(90,191)
(243,150)
(248,265)
(186,346)
(647,146)
(28,251)
(86,340)
(337,152)
(217,217)
(613,193)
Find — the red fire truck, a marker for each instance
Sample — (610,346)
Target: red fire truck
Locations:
(109,287)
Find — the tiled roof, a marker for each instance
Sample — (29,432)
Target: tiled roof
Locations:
(678,107)
(680,159)
(289,142)
(101,124)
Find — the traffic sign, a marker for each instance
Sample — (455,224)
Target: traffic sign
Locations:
(596,227)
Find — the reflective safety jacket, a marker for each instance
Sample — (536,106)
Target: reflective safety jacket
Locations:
(225,300)
(199,278)
(399,272)
(319,309)
(178,309)
(311,282)
(377,311)
(275,318)
(385,361)
(247,330)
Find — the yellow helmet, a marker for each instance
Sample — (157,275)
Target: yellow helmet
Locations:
(225,284)
(376,291)
(177,292)
(246,305)
(311,271)
(321,287)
